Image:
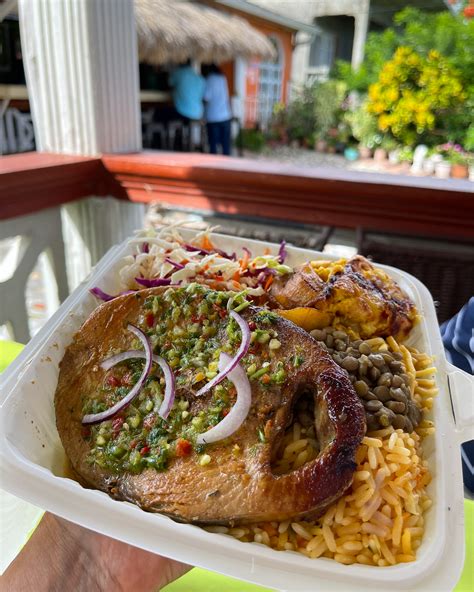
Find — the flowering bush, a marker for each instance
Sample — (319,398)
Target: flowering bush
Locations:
(453,153)
(413,92)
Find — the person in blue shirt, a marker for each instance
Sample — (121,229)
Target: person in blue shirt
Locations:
(217,110)
(458,341)
(188,92)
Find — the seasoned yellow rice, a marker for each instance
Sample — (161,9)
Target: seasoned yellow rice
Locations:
(380,521)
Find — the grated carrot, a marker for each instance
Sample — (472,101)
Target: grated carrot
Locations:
(206,244)
(269,282)
(244,262)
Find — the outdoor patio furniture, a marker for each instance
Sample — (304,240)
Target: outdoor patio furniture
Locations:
(445,267)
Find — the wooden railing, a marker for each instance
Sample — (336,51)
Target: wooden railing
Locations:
(41,183)
(410,205)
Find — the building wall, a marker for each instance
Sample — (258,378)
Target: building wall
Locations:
(285,43)
(244,76)
(306,12)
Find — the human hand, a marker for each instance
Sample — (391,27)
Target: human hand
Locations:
(62,557)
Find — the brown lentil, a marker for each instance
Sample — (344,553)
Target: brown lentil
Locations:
(379,378)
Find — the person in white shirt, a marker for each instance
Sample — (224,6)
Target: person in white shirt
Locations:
(217,110)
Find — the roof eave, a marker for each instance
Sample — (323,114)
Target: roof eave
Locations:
(257,11)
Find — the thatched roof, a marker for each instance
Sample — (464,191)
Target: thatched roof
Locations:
(174,31)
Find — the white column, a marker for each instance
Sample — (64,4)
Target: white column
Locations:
(81,65)
(238,100)
(361,23)
(81,70)
(300,61)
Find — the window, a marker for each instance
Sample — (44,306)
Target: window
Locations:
(322,50)
(270,84)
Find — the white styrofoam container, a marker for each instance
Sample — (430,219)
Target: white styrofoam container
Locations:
(32,460)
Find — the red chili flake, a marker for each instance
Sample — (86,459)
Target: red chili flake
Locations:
(223,314)
(225,412)
(252,326)
(117,425)
(149,421)
(150,319)
(113,381)
(183,447)
(145,450)
(86,432)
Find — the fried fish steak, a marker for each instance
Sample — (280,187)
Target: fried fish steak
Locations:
(156,464)
(354,293)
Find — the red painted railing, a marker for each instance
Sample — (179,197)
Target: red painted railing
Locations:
(407,205)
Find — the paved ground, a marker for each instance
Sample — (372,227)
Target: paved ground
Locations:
(311,158)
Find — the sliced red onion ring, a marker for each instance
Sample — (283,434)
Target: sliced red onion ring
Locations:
(243,348)
(174,264)
(99,417)
(155,283)
(98,293)
(232,422)
(170,390)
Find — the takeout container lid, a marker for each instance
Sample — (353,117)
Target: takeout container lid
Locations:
(32,460)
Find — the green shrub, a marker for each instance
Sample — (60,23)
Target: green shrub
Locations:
(251,139)
(364,127)
(452,36)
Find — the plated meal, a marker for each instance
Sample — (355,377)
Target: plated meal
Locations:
(278,405)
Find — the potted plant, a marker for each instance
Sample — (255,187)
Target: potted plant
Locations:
(351,153)
(430,161)
(321,145)
(459,164)
(364,129)
(443,169)
(391,148)
(470,159)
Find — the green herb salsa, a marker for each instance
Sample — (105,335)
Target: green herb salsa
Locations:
(189,327)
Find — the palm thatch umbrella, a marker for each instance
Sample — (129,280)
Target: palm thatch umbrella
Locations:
(174,31)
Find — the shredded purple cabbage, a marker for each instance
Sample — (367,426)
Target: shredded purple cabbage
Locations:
(174,264)
(220,252)
(196,249)
(282,252)
(232,257)
(145,248)
(263,275)
(153,283)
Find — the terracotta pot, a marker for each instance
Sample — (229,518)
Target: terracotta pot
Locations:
(365,152)
(321,146)
(380,155)
(459,171)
